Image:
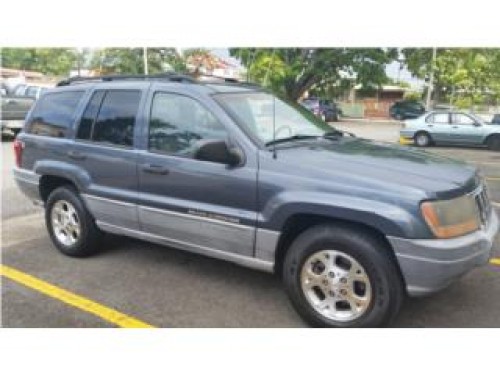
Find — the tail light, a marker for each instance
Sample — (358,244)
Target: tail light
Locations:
(18,151)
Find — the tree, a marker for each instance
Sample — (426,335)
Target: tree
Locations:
(51,61)
(462,76)
(130,61)
(293,71)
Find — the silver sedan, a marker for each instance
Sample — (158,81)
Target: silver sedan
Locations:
(453,128)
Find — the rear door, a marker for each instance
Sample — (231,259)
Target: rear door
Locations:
(438,126)
(201,206)
(104,148)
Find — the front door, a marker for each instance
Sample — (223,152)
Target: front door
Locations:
(466,130)
(198,205)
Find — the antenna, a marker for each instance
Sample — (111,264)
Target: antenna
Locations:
(274,127)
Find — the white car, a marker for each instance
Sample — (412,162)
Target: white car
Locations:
(450,127)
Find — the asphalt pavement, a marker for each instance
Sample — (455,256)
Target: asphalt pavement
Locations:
(166,287)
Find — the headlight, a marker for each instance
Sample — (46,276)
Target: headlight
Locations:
(452,218)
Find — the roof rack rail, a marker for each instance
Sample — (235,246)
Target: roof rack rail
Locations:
(173,77)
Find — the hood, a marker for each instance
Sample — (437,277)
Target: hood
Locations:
(378,165)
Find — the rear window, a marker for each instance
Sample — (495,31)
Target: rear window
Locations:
(54,114)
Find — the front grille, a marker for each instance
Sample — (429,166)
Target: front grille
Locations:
(483,205)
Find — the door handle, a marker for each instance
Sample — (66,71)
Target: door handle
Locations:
(155,169)
(75,155)
(11,101)
(455,127)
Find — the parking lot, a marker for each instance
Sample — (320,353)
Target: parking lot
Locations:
(135,283)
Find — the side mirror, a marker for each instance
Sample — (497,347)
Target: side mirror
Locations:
(217,151)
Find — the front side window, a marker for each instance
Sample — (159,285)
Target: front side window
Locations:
(462,119)
(110,117)
(268,118)
(178,123)
(54,114)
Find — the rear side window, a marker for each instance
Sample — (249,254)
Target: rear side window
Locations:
(54,114)
(110,117)
(439,118)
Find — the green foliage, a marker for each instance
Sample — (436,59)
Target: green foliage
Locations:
(413,95)
(50,61)
(464,76)
(293,71)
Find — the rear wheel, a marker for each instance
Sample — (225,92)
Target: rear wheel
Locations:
(493,142)
(70,225)
(337,276)
(422,139)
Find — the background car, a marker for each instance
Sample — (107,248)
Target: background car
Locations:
(406,109)
(325,109)
(30,90)
(456,128)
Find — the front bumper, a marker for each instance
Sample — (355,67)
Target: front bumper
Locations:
(431,265)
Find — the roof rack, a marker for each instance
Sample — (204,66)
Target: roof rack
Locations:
(173,77)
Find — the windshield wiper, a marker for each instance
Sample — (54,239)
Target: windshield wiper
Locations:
(296,137)
(337,133)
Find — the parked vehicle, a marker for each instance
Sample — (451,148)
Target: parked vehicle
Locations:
(327,110)
(14,110)
(232,172)
(31,90)
(496,119)
(406,109)
(456,128)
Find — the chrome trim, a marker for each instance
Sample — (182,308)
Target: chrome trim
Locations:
(250,262)
(95,197)
(194,216)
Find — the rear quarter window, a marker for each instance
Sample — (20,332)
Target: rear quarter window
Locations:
(54,113)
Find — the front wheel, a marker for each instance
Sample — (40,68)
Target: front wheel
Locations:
(422,139)
(337,276)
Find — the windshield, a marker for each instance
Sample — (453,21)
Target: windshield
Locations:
(256,113)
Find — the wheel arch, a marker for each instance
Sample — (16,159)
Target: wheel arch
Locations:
(297,223)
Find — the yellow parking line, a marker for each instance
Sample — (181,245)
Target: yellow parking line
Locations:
(82,303)
(495,261)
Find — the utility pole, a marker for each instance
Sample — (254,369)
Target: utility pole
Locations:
(145,59)
(430,88)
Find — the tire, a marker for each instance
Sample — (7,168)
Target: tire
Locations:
(493,142)
(383,290)
(422,139)
(72,214)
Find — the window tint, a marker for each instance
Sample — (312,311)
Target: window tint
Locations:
(88,118)
(439,118)
(54,113)
(178,123)
(116,118)
(462,119)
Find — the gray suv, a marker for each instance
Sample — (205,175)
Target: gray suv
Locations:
(230,171)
